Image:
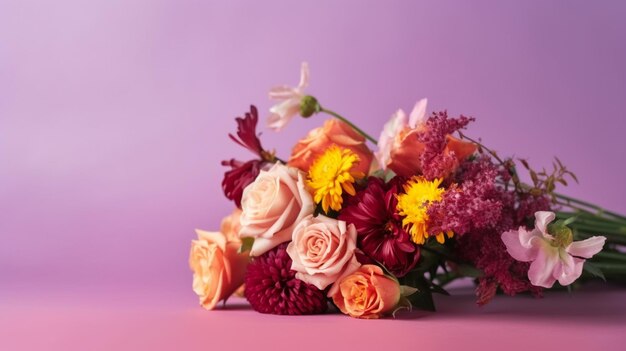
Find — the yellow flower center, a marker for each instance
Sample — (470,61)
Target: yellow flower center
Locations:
(413,205)
(331,174)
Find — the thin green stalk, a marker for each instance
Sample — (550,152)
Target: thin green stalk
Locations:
(611,238)
(590,205)
(611,267)
(359,130)
(610,256)
(447,278)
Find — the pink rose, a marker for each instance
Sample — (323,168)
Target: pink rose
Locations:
(323,250)
(367,293)
(218,267)
(319,139)
(272,205)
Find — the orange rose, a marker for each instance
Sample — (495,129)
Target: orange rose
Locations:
(367,293)
(319,139)
(406,151)
(218,268)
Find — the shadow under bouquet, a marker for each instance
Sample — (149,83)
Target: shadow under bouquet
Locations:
(376,232)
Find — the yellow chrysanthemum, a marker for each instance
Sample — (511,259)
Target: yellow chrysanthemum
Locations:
(413,204)
(331,174)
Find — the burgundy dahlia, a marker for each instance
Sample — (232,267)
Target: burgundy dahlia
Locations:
(379,228)
(272,287)
(239,177)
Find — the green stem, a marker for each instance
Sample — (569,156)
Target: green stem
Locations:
(611,267)
(611,237)
(590,205)
(509,168)
(340,117)
(447,278)
(610,256)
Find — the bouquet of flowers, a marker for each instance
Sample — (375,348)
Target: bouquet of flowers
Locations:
(375,232)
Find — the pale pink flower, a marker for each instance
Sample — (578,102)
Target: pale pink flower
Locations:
(397,124)
(551,259)
(323,250)
(289,97)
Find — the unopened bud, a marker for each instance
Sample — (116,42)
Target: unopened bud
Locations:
(309,106)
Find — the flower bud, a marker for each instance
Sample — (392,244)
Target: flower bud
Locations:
(309,106)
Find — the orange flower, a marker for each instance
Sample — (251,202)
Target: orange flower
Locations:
(406,151)
(399,148)
(218,268)
(319,139)
(367,293)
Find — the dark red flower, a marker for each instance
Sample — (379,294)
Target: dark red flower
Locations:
(246,131)
(379,228)
(272,287)
(475,204)
(482,210)
(239,177)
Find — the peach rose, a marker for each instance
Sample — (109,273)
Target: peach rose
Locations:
(231,225)
(272,205)
(367,293)
(322,250)
(319,139)
(218,268)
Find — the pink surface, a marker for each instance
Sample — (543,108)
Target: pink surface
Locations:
(113,122)
(155,320)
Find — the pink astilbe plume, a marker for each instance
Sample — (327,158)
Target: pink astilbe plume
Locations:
(476,204)
(480,210)
(435,163)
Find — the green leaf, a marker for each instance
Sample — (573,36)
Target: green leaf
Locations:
(593,270)
(438,289)
(246,244)
(467,270)
(423,298)
(406,290)
(403,304)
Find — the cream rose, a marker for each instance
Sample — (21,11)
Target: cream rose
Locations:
(322,250)
(218,268)
(367,293)
(272,205)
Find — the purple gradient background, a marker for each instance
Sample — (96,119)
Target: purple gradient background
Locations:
(114,118)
